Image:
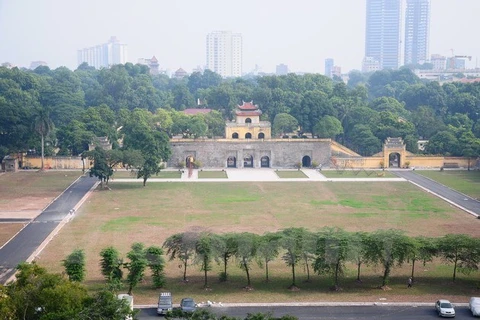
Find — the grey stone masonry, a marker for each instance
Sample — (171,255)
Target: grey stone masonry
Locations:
(276,153)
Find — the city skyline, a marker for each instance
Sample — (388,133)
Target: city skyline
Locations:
(417,31)
(224,53)
(298,34)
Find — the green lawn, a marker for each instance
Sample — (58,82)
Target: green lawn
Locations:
(357,174)
(289,174)
(202,174)
(123,174)
(464,181)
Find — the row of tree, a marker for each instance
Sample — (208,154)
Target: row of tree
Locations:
(325,253)
(85,103)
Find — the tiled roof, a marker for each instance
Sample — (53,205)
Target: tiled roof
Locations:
(248,106)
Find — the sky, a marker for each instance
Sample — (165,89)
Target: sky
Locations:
(300,33)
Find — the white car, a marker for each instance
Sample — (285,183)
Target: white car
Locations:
(445,308)
(474,306)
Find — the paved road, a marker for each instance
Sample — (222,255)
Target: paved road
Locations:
(24,244)
(448,194)
(330,313)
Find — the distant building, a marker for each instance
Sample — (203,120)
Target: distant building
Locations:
(104,55)
(194,111)
(417,31)
(281,70)
(35,64)
(8,65)
(180,74)
(370,64)
(329,67)
(455,63)
(438,61)
(224,53)
(382,33)
(151,63)
(336,71)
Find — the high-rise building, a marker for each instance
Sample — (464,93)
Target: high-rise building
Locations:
(417,31)
(104,55)
(383,32)
(329,63)
(224,53)
(281,70)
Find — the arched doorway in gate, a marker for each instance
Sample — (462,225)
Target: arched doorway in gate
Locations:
(235,135)
(231,162)
(248,135)
(248,161)
(265,162)
(306,162)
(261,135)
(394,160)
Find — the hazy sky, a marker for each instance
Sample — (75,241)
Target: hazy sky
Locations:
(300,33)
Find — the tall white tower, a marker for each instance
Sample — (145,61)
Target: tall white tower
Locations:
(104,55)
(417,31)
(224,53)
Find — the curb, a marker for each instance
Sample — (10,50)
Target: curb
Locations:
(314,304)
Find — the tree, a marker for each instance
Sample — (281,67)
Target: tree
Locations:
(364,140)
(284,123)
(105,305)
(75,265)
(110,264)
(156,263)
(268,250)
(357,251)
(443,142)
(328,127)
(37,294)
(182,247)
(43,126)
(293,241)
(205,253)
(461,250)
(423,249)
(227,248)
(387,248)
(247,244)
(332,253)
(136,265)
(103,162)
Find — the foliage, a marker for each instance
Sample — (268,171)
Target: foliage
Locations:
(181,246)
(75,265)
(462,251)
(136,265)
(156,263)
(110,264)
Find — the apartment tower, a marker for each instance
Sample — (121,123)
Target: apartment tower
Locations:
(104,55)
(383,32)
(224,53)
(417,31)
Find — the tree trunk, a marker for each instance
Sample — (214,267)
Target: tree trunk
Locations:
(205,268)
(413,268)
(225,261)
(293,275)
(308,270)
(246,270)
(144,181)
(130,288)
(359,264)
(266,269)
(455,270)
(386,273)
(337,266)
(185,269)
(43,154)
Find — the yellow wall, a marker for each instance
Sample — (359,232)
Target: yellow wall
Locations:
(56,162)
(243,129)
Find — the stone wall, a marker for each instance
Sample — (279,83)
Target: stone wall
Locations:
(282,153)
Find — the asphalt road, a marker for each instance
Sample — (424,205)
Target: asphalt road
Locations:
(24,244)
(443,191)
(330,313)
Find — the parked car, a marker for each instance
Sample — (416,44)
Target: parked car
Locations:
(445,308)
(129,300)
(164,303)
(188,305)
(474,306)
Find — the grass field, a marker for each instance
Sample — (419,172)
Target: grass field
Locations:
(131,213)
(357,174)
(467,182)
(123,174)
(285,174)
(206,174)
(8,230)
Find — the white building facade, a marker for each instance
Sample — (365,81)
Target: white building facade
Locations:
(224,53)
(104,55)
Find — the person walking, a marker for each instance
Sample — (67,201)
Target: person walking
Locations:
(409,282)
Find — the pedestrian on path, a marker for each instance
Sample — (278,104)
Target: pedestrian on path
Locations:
(409,282)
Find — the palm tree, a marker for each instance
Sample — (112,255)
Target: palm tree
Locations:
(43,126)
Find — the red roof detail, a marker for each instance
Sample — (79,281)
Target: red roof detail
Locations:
(248,106)
(154,59)
(194,111)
